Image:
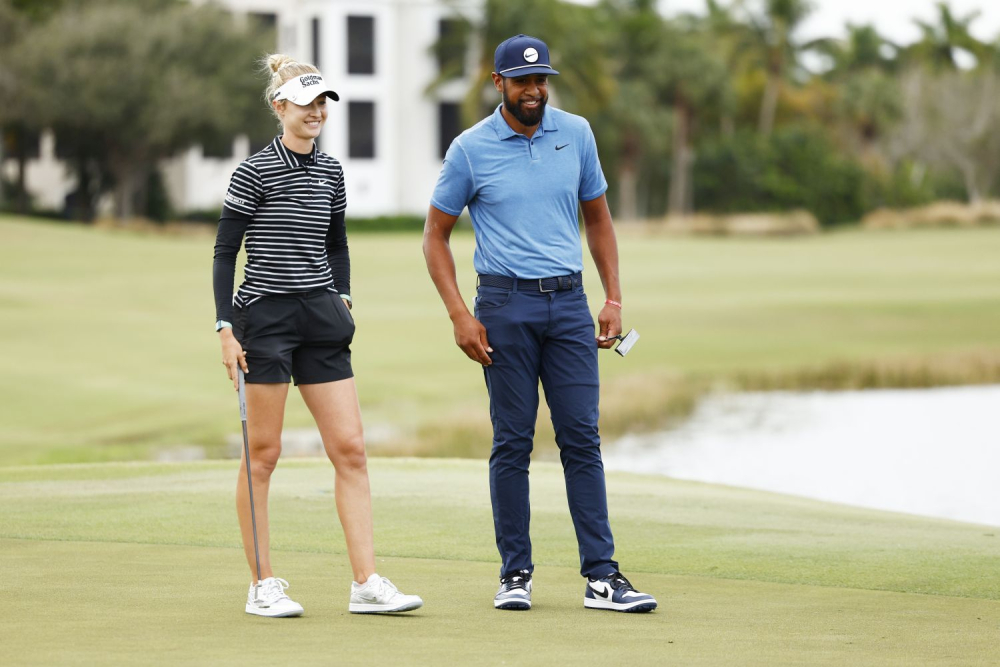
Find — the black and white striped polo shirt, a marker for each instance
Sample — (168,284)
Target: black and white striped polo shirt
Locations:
(290,205)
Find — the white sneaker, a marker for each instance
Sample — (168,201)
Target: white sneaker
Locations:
(268,599)
(378,595)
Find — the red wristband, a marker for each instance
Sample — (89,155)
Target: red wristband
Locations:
(612,302)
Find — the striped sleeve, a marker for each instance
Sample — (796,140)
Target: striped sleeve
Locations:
(339,203)
(245,189)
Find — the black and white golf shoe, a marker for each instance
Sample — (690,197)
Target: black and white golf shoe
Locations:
(515,592)
(614,592)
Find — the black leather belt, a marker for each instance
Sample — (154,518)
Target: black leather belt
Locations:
(555,284)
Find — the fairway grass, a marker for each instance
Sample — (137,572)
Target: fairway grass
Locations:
(107,350)
(125,564)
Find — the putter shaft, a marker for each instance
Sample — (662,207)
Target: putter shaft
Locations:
(246,452)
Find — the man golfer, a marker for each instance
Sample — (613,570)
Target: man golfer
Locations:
(522,172)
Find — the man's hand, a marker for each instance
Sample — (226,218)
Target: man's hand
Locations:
(470,335)
(610,322)
(233,355)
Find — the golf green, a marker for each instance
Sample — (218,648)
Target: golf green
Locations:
(140,564)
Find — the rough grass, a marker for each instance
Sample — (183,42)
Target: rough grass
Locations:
(108,351)
(141,564)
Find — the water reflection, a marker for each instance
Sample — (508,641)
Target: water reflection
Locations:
(934,452)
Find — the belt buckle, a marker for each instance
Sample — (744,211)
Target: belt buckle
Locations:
(541,287)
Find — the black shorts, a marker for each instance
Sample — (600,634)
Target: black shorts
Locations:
(306,335)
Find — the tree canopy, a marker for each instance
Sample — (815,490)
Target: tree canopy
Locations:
(122,91)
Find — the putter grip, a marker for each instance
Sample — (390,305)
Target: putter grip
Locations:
(243,396)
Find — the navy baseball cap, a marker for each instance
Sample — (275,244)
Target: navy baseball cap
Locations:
(522,55)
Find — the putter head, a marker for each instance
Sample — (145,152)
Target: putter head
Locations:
(627,342)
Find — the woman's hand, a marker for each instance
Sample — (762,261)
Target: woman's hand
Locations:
(232,354)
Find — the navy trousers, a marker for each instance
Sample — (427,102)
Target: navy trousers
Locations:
(547,336)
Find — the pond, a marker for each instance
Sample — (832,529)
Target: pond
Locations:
(934,452)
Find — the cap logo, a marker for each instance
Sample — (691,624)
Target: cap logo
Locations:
(309,80)
(530,54)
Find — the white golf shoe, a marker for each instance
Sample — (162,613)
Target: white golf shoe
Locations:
(268,599)
(378,595)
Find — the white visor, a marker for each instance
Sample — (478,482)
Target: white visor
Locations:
(303,89)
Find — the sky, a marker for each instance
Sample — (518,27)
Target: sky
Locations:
(892,18)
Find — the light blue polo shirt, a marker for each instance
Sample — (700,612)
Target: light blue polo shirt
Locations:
(523,193)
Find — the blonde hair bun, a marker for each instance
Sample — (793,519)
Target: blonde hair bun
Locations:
(276,61)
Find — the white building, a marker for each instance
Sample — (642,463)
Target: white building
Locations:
(386,131)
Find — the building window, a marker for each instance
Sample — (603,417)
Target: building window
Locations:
(361,129)
(265,25)
(360,44)
(451,47)
(449,125)
(315,42)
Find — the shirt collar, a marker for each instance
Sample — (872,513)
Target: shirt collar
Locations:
(504,131)
(286,156)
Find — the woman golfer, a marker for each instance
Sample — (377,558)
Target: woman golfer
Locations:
(289,320)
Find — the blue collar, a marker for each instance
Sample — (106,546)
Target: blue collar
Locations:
(286,156)
(504,131)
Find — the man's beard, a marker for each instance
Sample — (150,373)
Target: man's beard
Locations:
(526,117)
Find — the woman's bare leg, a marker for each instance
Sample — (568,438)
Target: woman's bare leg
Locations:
(334,406)
(265,416)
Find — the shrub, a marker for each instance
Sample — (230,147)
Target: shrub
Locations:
(792,168)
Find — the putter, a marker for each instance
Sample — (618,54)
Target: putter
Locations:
(246,452)
(626,342)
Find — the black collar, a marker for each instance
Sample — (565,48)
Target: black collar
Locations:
(287,157)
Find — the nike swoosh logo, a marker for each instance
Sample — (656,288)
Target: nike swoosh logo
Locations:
(601,591)
(559,148)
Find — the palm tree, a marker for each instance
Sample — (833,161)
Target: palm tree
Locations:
(942,42)
(695,83)
(869,100)
(668,80)
(729,39)
(774,29)
(633,122)
(863,49)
